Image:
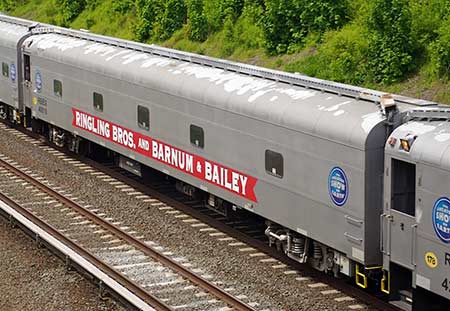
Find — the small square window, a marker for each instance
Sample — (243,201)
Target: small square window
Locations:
(98,102)
(197,136)
(143,117)
(274,163)
(5,70)
(57,88)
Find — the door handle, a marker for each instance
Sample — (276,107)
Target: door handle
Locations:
(413,244)
(385,233)
(382,217)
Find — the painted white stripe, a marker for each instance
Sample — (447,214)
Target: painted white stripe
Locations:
(190,220)
(330,292)
(182,216)
(257,255)
(199,225)
(142,196)
(345,298)
(134,193)
(280,266)
(226,239)
(247,249)
(165,208)
(155,204)
(315,285)
(217,234)
(356,307)
(289,272)
(207,229)
(98,174)
(269,260)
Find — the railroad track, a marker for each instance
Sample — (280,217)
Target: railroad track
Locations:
(152,280)
(162,195)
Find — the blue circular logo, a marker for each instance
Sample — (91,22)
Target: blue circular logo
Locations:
(338,186)
(441,219)
(12,72)
(38,81)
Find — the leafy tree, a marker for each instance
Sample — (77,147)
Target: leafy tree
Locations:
(279,24)
(427,17)
(217,10)
(390,41)
(232,8)
(6,5)
(197,23)
(148,13)
(173,18)
(440,51)
(341,57)
(287,23)
(119,6)
(71,9)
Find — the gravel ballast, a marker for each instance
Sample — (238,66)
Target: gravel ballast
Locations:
(34,279)
(271,288)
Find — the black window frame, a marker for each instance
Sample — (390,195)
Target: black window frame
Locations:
(55,84)
(273,159)
(5,69)
(97,101)
(140,110)
(197,136)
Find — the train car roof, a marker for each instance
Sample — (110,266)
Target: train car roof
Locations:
(11,33)
(429,130)
(340,119)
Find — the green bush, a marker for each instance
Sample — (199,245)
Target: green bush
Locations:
(71,9)
(149,13)
(173,18)
(217,10)
(440,51)
(6,5)
(342,57)
(197,23)
(391,47)
(119,6)
(287,23)
(427,16)
(248,30)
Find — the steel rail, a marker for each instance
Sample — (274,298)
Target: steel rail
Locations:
(119,278)
(211,288)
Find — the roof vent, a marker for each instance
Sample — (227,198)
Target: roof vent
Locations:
(387,101)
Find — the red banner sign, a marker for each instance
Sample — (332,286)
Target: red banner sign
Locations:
(209,171)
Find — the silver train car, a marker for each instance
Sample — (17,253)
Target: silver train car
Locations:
(416,218)
(310,156)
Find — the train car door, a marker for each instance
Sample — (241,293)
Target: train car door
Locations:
(403,213)
(27,89)
(27,80)
(399,240)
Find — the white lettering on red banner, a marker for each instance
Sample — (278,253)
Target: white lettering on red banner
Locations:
(209,171)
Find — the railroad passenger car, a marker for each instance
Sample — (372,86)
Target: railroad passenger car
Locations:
(308,161)
(11,36)
(416,219)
